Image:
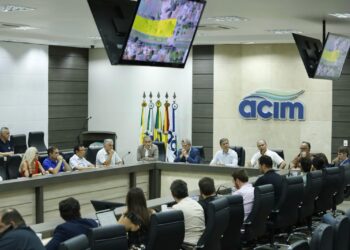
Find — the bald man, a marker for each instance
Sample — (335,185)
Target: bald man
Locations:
(277,161)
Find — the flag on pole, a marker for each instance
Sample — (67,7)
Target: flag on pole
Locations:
(166,122)
(172,140)
(158,133)
(150,122)
(143,125)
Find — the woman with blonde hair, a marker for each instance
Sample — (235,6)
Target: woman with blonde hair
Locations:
(30,164)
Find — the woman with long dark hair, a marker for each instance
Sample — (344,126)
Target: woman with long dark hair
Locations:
(136,219)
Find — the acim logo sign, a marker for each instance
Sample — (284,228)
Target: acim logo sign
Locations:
(268,104)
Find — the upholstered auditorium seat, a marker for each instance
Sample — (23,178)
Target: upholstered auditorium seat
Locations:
(161,150)
(79,242)
(110,237)
(19,143)
(36,139)
(240,153)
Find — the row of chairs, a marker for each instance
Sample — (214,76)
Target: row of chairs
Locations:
(35,139)
(9,165)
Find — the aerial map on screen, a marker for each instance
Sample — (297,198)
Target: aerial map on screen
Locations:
(333,57)
(163,31)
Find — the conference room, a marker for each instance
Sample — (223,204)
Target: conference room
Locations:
(245,78)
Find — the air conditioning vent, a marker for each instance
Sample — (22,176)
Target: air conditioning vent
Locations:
(215,27)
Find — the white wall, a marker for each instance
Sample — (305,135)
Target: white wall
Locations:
(24,87)
(239,70)
(115,96)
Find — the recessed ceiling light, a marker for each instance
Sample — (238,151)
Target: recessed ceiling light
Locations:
(340,15)
(284,31)
(227,19)
(11,8)
(247,42)
(95,38)
(25,28)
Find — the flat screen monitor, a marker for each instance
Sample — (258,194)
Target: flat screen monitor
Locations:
(105,205)
(333,57)
(162,32)
(310,50)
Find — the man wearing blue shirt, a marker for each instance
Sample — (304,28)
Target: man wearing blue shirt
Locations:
(188,153)
(55,163)
(6,146)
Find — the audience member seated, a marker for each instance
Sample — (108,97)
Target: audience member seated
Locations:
(78,161)
(342,158)
(106,156)
(226,156)
(73,226)
(148,151)
(269,177)
(305,148)
(14,234)
(188,153)
(305,164)
(245,189)
(193,212)
(278,162)
(30,165)
(136,219)
(55,163)
(6,146)
(319,161)
(207,192)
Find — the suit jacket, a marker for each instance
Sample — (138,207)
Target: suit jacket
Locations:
(194,156)
(22,237)
(68,230)
(153,153)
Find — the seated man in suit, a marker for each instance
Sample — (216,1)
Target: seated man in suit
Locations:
(342,158)
(6,146)
(269,177)
(305,148)
(225,156)
(245,189)
(277,161)
(14,234)
(74,225)
(78,161)
(55,162)
(208,193)
(107,156)
(188,153)
(147,151)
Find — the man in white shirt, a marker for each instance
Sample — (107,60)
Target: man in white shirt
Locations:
(192,210)
(226,156)
(245,189)
(78,161)
(278,162)
(107,156)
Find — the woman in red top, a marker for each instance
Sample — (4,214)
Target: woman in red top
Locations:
(30,164)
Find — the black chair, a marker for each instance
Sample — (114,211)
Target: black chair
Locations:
(279,152)
(241,154)
(67,155)
(36,139)
(341,231)
(108,238)
(13,163)
(161,150)
(255,224)
(201,152)
(231,239)
(79,242)
(286,214)
(330,185)
(322,238)
(42,157)
(166,231)
(347,181)
(91,153)
(299,245)
(3,171)
(216,224)
(340,193)
(19,143)
(312,190)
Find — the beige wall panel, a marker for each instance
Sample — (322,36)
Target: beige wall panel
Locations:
(240,70)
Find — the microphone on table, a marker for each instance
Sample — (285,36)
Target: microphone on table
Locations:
(124,156)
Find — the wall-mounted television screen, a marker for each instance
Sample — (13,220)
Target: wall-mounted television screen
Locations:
(333,57)
(162,32)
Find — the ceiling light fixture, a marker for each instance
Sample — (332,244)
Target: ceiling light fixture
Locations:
(284,31)
(97,38)
(25,28)
(227,19)
(12,8)
(340,15)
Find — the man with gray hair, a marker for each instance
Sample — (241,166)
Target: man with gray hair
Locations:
(188,153)
(6,146)
(147,151)
(107,156)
